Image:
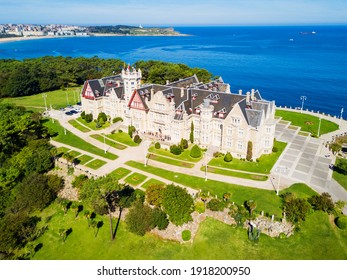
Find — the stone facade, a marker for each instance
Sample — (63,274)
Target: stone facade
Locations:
(222,120)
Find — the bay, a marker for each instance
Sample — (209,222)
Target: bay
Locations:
(284,62)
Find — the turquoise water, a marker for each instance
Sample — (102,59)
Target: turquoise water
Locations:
(284,63)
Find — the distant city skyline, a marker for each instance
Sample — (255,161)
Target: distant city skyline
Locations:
(174,13)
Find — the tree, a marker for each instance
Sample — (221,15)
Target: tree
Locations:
(251,205)
(83,115)
(296,208)
(184,144)
(131,130)
(137,139)
(159,219)
(155,194)
(157,145)
(102,117)
(88,118)
(191,135)
(195,152)
(228,157)
(322,202)
(139,219)
(178,204)
(204,196)
(226,196)
(175,149)
(249,151)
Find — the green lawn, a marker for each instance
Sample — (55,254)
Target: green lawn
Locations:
(170,161)
(120,173)
(317,239)
(307,122)
(265,164)
(185,155)
(74,153)
(122,137)
(109,142)
(267,201)
(74,141)
(235,174)
(77,125)
(56,98)
(339,177)
(152,182)
(96,164)
(84,159)
(62,150)
(135,179)
(92,124)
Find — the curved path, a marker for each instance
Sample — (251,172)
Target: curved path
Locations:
(139,154)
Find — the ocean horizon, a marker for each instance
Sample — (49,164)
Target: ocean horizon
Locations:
(282,62)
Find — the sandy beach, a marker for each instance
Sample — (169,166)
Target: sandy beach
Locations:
(13,39)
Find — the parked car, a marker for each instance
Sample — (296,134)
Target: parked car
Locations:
(69,113)
(73,112)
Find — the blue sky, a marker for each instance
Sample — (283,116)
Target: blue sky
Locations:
(175,12)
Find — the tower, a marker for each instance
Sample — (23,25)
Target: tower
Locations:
(131,80)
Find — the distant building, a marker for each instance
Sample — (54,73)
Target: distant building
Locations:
(222,120)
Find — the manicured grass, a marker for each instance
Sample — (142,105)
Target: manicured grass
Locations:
(265,164)
(340,178)
(96,164)
(62,150)
(317,239)
(74,153)
(77,125)
(301,190)
(56,98)
(235,174)
(170,161)
(84,159)
(185,155)
(267,201)
(152,182)
(122,137)
(108,142)
(307,122)
(74,141)
(120,173)
(135,179)
(92,124)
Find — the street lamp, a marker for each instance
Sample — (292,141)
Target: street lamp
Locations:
(279,169)
(340,118)
(67,98)
(205,155)
(320,120)
(302,98)
(44,96)
(105,143)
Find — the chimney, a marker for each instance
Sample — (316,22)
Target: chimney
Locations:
(240,91)
(182,92)
(247,97)
(252,94)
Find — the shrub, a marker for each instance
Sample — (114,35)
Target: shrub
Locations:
(98,125)
(131,130)
(282,235)
(139,219)
(157,145)
(137,139)
(175,149)
(322,202)
(195,152)
(199,207)
(154,195)
(102,116)
(88,118)
(274,149)
(215,205)
(257,160)
(117,119)
(186,235)
(120,131)
(159,219)
(83,115)
(341,222)
(184,144)
(228,157)
(191,135)
(217,154)
(249,151)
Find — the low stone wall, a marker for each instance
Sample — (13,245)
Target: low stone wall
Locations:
(271,228)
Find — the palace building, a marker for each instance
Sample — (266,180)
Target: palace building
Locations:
(222,120)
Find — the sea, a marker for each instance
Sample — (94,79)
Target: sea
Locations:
(294,65)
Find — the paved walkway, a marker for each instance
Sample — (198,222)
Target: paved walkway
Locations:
(302,157)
